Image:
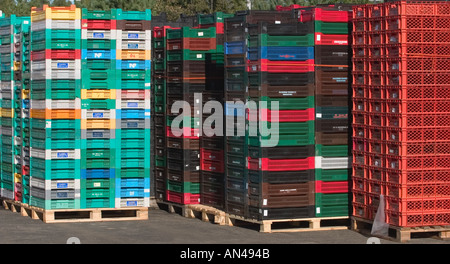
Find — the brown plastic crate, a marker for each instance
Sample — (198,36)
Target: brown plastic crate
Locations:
(332,100)
(192,44)
(216,201)
(288,189)
(281,91)
(332,125)
(327,55)
(215,142)
(234,208)
(139,25)
(332,82)
(323,138)
(183,176)
(183,143)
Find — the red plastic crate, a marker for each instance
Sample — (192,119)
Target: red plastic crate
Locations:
(424,64)
(18,196)
(417,162)
(417,190)
(360,25)
(213,166)
(417,36)
(360,51)
(359,12)
(283,115)
(375,187)
(265,65)
(425,8)
(359,184)
(416,50)
(332,187)
(98,24)
(359,78)
(267,164)
(133,94)
(412,107)
(375,173)
(376,160)
(26,170)
(417,219)
(359,91)
(418,22)
(359,131)
(329,39)
(416,134)
(160,32)
(320,14)
(417,148)
(375,11)
(359,197)
(376,106)
(188,132)
(375,24)
(55,54)
(375,146)
(375,132)
(360,210)
(213,155)
(182,198)
(417,78)
(426,121)
(373,201)
(417,177)
(360,145)
(359,171)
(375,51)
(191,44)
(418,205)
(359,64)
(360,105)
(360,157)
(288,8)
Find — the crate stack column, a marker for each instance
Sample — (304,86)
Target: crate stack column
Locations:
(98,103)
(332,44)
(212,146)
(11,85)
(25,108)
(55,107)
(284,159)
(187,49)
(133,108)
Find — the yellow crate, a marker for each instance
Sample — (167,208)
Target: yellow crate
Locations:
(133,54)
(98,123)
(57,13)
(55,114)
(7,112)
(98,94)
(17,65)
(17,178)
(25,94)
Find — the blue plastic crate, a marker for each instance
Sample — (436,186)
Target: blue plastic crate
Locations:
(276,53)
(131,192)
(133,113)
(131,183)
(133,64)
(97,173)
(98,54)
(234,110)
(235,47)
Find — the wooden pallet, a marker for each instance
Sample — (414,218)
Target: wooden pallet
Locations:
(172,208)
(312,224)
(206,213)
(400,234)
(77,215)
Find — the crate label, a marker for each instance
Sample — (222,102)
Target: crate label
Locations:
(62,155)
(265,212)
(318,37)
(199,56)
(97,134)
(133,35)
(277,22)
(147,114)
(131,203)
(98,55)
(132,65)
(97,184)
(62,185)
(132,104)
(264,201)
(62,65)
(132,124)
(318,115)
(99,35)
(200,34)
(133,45)
(97,115)
(61,195)
(147,84)
(318,210)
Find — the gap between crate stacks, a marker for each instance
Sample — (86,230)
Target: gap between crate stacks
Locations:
(77,215)
(402,234)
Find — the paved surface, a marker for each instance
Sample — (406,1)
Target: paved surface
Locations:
(163,227)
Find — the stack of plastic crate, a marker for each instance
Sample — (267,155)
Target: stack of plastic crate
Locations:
(55,109)
(211,145)
(11,85)
(400,112)
(24,47)
(187,49)
(248,158)
(331,26)
(133,47)
(284,159)
(98,104)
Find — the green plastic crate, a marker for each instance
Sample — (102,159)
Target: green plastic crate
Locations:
(332,150)
(185,54)
(290,134)
(98,103)
(99,14)
(102,163)
(283,41)
(99,44)
(332,204)
(56,133)
(132,172)
(98,64)
(183,187)
(50,143)
(48,174)
(332,175)
(98,203)
(187,32)
(160,162)
(134,15)
(216,17)
(98,143)
(133,133)
(55,204)
(332,28)
(134,74)
(98,153)
(54,123)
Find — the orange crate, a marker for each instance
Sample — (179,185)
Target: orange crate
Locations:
(375,11)
(417,22)
(359,197)
(417,36)
(417,177)
(417,162)
(359,105)
(375,92)
(376,65)
(417,148)
(98,124)
(359,184)
(375,187)
(359,64)
(425,64)
(376,160)
(406,106)
(417,190)
(373,200)
(417,8)
(396,50)
(376,38)
(359,38)
(133,54)
(418,92)
(375,132)
(55,114)
(359,91)
(376,106)
(417,219)
(360,25)
(359,157)
(375,146)
(375,173)
(376,78)
(360,210)
(416,134)
(426,121)
(359,118)
(359,131)
(359,51)
(359,171)
(375,24)
(359,12)
(191,44)
(417,78)
(360,145)
(417,204)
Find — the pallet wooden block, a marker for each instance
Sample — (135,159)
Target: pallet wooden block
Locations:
(77,215)
(314,224)
(205,213)
(402,234)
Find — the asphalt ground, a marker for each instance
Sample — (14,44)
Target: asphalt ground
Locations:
(163,227)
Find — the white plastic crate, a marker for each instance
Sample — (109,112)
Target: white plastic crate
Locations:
(139,44)
(55,104)
(133,35)
(8,194)
(51,154)
(132,104)
(132,202)
(55,24)
(54,194)
(98,114)
(98,34)
(332,163)
(6,48)
(5,30)
(54,184)
(55,69)
(7,131)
